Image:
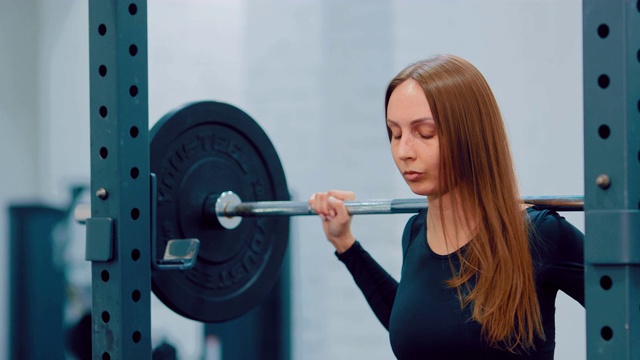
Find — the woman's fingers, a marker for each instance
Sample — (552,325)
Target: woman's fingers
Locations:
(338,207)
(330,204)
(319,202)
(336,219)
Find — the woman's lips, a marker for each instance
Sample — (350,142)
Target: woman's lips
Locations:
(412,175)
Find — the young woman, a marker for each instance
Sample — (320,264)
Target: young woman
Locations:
(481,271)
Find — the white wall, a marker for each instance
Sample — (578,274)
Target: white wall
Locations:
(18,127)
(313,74)
(63,88)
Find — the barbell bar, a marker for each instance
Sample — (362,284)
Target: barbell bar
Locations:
(229,208)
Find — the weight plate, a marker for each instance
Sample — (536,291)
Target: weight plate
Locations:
(203,149)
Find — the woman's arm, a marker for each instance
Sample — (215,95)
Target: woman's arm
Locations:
(377,286)
(564,254)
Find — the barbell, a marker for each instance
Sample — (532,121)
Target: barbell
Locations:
(218,179)
(229,209)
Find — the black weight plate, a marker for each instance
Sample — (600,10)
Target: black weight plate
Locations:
(203,149)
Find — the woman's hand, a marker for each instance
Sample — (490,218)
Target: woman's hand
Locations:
(336,221)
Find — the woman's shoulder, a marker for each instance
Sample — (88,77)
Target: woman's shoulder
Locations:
(537,216)
(557,251)
(548,222)
(412,228)
(551,233)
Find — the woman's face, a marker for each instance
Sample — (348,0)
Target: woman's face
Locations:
(414,139)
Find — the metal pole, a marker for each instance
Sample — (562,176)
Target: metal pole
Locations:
(228,207)
(118,231)
(372,207)
(611,38)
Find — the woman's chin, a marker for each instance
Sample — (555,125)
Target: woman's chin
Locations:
(422,191)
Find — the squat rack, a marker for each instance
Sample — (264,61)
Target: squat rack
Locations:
(611,57)
(118,233)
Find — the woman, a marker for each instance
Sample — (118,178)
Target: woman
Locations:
(481,271)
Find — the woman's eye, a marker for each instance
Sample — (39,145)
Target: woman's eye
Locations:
(426,136)
(396,137)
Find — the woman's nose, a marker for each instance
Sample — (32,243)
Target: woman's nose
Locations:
(406,149)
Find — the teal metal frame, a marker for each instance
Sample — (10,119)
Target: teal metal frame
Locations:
(118,233)
(611,39)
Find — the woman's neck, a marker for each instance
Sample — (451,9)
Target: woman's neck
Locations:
(448,229)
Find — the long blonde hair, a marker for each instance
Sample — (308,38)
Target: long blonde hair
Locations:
(475,160)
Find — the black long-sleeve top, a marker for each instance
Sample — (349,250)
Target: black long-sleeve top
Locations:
(424,316)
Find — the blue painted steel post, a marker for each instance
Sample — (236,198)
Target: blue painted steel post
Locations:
(611,35)
(118,233)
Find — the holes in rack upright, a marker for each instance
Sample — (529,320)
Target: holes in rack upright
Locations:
(135,295)
(104,152)
(106,316)
(135,255)
(136,337)
(603,31)
(604,81)
(604,131)
(104,275)
(606,282)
